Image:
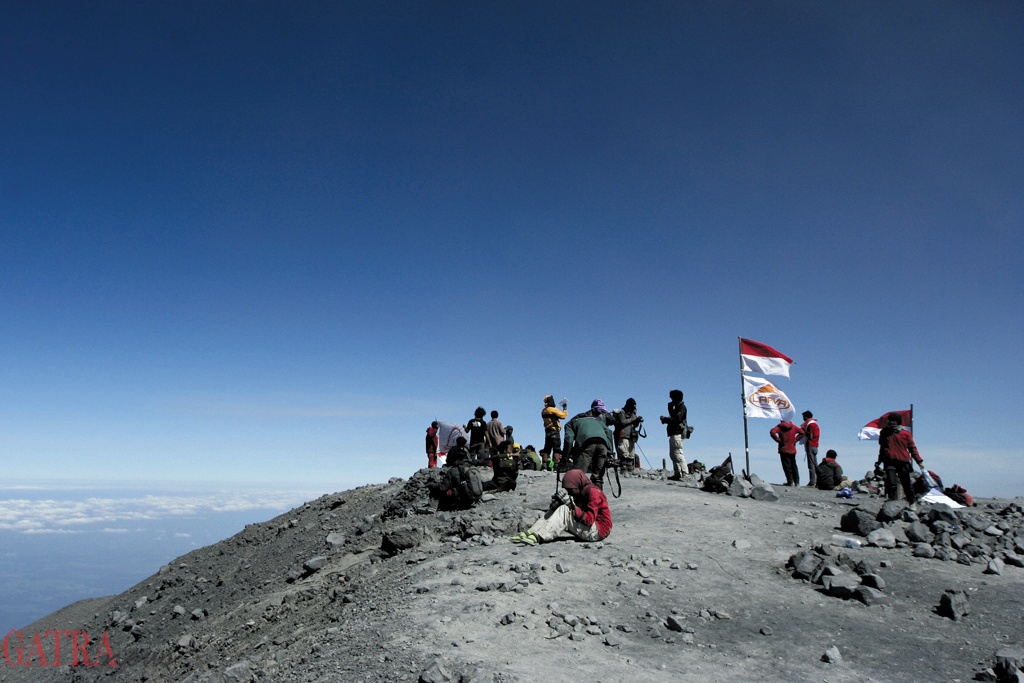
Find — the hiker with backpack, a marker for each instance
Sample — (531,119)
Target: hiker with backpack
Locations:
(551,453)
(579,508)
(589,441)
(896,454)
(506,469)
(459,487)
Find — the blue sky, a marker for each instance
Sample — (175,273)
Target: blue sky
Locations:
(270,242)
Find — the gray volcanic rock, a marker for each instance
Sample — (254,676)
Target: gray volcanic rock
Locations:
(688,586)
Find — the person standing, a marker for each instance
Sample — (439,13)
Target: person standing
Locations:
(589,441)
(477,430)
(432,444)
(551,452)
(495,434)
(677,429)
(786,435)
(812,434)
(627,422)
(897,453)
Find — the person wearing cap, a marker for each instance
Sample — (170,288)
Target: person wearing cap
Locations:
(551,452)
(589,441)
(830,474)
(812,434)
(627,424)
(677,429)
(897,453)
(579,508)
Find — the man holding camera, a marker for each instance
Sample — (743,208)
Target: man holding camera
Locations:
(675,425)
(579,508)
(627,425)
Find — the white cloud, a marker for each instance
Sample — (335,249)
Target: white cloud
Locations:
(71,516)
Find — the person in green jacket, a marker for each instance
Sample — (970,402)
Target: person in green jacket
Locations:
(588,441)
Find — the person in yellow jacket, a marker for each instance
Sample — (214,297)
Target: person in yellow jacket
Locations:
(552,418)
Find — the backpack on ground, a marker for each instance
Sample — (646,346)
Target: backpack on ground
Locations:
(960,495)
(464,486)
(718,480)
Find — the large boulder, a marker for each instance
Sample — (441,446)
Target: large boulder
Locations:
(858,521)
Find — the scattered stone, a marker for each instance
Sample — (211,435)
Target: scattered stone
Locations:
(995,566)
(315,564)
(741,544)
(832,656)
(870,596)
(883,538)
(766,630)
(953,604)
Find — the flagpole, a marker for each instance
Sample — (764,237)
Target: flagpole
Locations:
(911,418)
(743,402)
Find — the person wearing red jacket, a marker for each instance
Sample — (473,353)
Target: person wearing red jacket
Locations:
(580,508)
(897,453)
(786,434)
(812,434)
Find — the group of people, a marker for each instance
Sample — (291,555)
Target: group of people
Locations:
(896,454)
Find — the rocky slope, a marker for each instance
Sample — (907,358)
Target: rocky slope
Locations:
(374,585)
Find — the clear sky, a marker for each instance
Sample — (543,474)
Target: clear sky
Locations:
(272,241)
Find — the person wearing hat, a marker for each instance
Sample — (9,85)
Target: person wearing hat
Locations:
(677,429)
(627,424)
(432,444)
(580,508)
(551,452)
(588,441)
(812,434)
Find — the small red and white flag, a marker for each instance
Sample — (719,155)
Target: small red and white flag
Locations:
(758,357)
(871,430)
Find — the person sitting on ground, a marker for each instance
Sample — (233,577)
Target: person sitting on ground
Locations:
(530,459)
(506,469)
(579,508)
(458,453)
(830,474)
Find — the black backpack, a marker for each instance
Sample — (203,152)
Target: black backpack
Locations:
(718,480)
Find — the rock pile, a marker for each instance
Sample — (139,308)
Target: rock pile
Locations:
(992,536)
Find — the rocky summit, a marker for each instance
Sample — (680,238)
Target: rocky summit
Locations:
(374,584)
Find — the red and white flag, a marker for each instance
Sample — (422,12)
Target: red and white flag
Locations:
(758,357)
(871,430)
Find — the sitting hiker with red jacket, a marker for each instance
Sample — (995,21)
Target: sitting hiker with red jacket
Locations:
(580,508)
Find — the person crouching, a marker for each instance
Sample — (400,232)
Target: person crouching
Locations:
(579,508)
